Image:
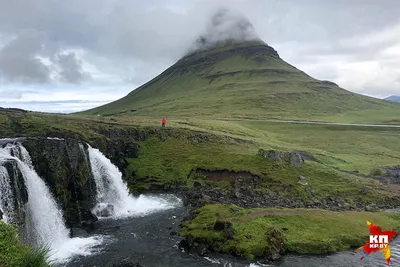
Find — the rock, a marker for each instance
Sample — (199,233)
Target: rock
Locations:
(206,198)
(105,210)
(221,225)
(293,158)
(346,206)
(127,263)
(77,232)
(173,233)
(276,241)
(1,215)
(163,138)
(88,220)
(302,180)
(372,208)
(229,233)
(185,244)
(197,184)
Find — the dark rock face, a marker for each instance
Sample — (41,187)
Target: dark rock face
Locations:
(77,232)
(392,175)
(64,165)
(247,191)
(1,215)
(189,245)
(293,158)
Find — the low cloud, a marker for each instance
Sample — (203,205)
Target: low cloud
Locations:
(226,25)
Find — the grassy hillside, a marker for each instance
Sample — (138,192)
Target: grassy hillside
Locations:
(347,168)
(246,80)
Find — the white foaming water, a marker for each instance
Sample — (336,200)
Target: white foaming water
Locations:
(44,222)
(111,189)
(6,196)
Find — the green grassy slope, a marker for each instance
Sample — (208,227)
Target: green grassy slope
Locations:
(246,80)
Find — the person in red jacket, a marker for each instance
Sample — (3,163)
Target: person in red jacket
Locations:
(163,121)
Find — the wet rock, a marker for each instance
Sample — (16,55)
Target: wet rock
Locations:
(105,210)
(1,215)
(77,232)
(302,180)
(173,233)
(127,263)
(190,246)
(88,220)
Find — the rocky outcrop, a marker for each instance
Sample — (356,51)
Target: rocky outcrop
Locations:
(64,166)
(391,175)
(248,191)
(293,158)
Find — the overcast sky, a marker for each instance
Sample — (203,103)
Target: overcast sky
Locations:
(64,56)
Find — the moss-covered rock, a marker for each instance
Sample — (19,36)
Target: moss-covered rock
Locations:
(268,233)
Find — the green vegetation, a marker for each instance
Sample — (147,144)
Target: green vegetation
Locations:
(166,158)
(14,254)
(247,81)
(306,231)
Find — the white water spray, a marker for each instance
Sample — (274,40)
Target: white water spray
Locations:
(44,222)
(111,189)
(6,196)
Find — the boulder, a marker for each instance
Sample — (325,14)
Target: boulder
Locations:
(105,210)
(77,232)
(302,180)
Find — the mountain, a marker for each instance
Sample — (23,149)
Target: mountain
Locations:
(231,72)
(393,98)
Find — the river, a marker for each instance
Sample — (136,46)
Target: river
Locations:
(147,240)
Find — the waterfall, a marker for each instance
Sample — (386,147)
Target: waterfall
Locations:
(6,196)
(113,198)
(44,220)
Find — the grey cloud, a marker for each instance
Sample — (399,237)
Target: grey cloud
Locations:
(138,34)
(70,68)
(226,25)
(19,62)
(10,94)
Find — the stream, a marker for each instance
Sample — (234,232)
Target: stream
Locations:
(147,241)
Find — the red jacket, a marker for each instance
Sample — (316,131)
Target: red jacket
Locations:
(164,120)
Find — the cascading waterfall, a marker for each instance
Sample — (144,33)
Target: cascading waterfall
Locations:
(44,220)
(113,198)
(6,196)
